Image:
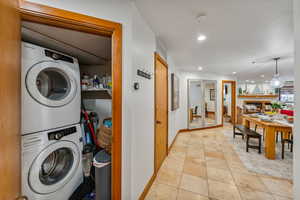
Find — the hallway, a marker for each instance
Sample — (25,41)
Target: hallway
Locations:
(202,165)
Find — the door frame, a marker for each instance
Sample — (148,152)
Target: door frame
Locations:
(157,57)
(66,19)
(233,100)
(10,101)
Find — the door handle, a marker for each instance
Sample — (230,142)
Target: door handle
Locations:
(158,122)
(22,198)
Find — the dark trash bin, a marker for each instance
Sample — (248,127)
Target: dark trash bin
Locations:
(102,163)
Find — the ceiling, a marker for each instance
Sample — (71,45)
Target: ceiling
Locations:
(89,49)
(238,33)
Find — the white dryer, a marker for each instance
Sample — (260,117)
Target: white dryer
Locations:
(50,89)
(51,163)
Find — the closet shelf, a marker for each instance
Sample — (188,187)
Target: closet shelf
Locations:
(102,93)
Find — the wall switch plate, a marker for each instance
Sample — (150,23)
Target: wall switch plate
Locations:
(136,86)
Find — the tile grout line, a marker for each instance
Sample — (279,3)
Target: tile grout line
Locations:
(176,187)
(185,154)
(218,140)
(202,143)
(268,192)
(208,193)
(231,172)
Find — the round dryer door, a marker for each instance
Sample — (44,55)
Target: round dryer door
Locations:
(51,83)
(54,167)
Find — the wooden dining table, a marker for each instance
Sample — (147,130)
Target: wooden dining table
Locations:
(270,133)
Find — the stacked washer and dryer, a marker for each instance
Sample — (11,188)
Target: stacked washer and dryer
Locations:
(51,134)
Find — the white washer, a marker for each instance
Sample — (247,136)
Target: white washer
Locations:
(52,163)
(50,89)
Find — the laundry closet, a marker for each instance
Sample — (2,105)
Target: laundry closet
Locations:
(66,113)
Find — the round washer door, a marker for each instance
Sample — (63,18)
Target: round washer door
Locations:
(51,83)
(54,167)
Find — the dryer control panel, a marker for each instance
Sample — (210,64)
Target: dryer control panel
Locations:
(57,56)
(58,134)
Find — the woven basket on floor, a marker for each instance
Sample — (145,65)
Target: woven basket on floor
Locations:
(104,137)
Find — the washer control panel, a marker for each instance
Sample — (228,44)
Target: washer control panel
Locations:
(57,56)
(58,134)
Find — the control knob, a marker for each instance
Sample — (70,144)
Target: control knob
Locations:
(57,136)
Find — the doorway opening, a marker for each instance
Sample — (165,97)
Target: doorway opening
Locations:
(228,102)
(96,45)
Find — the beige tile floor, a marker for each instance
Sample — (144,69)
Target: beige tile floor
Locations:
(202,165)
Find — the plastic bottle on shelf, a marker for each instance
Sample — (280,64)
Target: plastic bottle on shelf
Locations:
(85,82)
(109,82)
(96,82)
(104,81)
(101,82)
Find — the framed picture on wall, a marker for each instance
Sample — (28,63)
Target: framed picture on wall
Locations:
(212,94)
(174,92)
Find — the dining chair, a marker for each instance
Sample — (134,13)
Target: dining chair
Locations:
(238,129)
(254,135)
(289,140)
(255,129)
(195,112)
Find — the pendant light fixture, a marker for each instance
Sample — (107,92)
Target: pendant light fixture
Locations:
(276,81)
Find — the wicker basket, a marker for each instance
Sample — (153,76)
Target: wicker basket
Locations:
(104,137)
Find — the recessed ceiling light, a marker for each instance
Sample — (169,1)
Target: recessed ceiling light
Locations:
(200,68)
(247,81)
(201,38)
(233,72)
(263,76)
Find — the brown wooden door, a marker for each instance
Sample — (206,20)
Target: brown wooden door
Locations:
(161,111)
(10,181)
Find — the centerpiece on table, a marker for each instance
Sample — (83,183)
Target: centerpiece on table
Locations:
(276,106)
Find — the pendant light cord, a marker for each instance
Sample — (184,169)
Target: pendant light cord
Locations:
(276,60)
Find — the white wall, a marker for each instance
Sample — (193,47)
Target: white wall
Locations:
(297,91)
(161,49)
(139,45)
(117,11)
(142,100)
(177,117)
(101,106)
(183,95)
(195,98)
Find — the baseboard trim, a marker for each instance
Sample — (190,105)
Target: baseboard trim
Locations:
(148,186)
(199,129)
(150,182)
(184,130)
(173,141)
